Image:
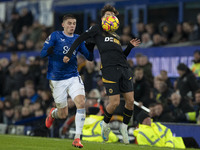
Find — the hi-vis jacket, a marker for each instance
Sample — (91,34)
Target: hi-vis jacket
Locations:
(92,130)
(157,135)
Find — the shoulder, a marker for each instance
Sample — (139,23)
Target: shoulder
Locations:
(76,35)
(56,32)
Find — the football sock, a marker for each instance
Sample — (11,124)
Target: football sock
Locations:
(54,114)
(79,121)
(127,115)
(107,117)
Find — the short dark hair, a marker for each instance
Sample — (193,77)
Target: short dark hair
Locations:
(68,16)
(182,67)
(108,8)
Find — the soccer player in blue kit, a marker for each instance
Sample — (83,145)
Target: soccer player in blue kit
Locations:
(64,77)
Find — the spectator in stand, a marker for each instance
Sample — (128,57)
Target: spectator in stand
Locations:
(179,107)
(138,58)
(157,40)
(140,29)
(189,30)
(29,45)
(31,94)
(126,35)
(46,98)
(198,26)
(187,83)
(141,87)
(14,59)
(163,76)
(147,68)
(25,112)
(27,17)
(163,94)
(36,32)
(131,64)
(141,90)
(195,115)
(8,113)
(165,32)
(146,41)
(16,24)
(161,115)
(11,82)
(150,29)
(24,74)
(196,63)
(178,35)
(90,75)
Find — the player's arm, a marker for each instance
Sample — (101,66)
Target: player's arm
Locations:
(133,43)
(86,35)
(87,52)
(48,46)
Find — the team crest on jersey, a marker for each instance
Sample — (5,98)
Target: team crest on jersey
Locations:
(63,40)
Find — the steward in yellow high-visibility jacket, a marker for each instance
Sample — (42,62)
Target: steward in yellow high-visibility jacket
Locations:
(156,134)
(92,130)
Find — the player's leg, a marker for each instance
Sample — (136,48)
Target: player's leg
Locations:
(114,101)
(77,93)
(111,76)
(59,92)
(127,113)
(126,87)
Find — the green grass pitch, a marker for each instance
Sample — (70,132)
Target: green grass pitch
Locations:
(14,142)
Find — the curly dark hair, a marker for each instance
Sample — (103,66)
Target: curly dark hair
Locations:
(108,8)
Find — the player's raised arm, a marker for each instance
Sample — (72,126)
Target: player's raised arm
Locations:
(87,51)
(48,46)
(133,43)
(88,34)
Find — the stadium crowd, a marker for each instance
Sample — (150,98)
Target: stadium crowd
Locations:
(23,33)
(25,92)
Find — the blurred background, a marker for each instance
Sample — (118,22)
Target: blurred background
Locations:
(170,43)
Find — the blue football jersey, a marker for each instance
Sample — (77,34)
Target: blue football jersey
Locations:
(57,69)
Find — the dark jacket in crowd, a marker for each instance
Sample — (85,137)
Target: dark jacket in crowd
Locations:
(142,91)
(187,83)
(179,111)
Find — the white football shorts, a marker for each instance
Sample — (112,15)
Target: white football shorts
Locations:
(60,90)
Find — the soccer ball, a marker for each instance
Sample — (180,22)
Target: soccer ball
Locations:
(110,23)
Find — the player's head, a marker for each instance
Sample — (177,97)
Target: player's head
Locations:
(108,10)
(69,24)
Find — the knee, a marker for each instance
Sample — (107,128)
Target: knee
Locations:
(81,104)
(115,104)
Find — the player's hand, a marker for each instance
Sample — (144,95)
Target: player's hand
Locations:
(135,42)
(66,59)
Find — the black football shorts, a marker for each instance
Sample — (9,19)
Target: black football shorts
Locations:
(117,79)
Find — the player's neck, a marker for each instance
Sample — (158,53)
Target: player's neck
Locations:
(68,34)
